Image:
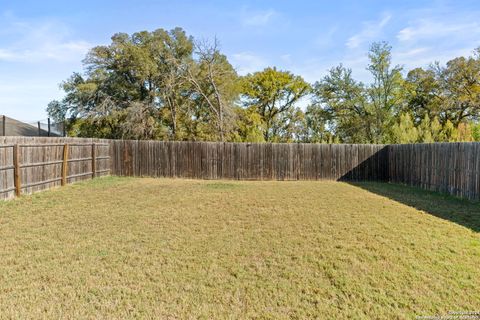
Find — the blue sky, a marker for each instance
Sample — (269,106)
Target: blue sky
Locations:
(43,42)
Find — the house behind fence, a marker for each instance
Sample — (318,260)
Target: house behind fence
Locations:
(46,128)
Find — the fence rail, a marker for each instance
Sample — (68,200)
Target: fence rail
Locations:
(32,164)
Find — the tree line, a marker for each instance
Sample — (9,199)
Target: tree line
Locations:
(165,85)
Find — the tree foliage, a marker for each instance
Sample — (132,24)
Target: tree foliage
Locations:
(273,94)
(166,85)
(151,85)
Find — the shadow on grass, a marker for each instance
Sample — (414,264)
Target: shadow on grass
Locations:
(460,211)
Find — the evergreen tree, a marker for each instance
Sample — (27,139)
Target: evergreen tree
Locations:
(425,131)
(436,130)
(405,131)
(464,133)
(449,132)
(476,131)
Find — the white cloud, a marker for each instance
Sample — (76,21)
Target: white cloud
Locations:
(326,39)
(39,41)
(247,62)
(35,55)
(369,31)
(257,18)
(424,56)
(68,51)
(431,29)
(286,58)
(26,98)
(412,53)
(436,35)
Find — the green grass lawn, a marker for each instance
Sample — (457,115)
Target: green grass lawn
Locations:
(160,248)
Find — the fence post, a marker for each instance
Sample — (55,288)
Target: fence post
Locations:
(16,172)
(65,164)
(49,127)
(4,126)
(94,160)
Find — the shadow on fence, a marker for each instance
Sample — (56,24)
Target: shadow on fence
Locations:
(460,211)
(250,161)
(373,168)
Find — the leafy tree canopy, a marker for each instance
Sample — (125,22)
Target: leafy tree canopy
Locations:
(166,85)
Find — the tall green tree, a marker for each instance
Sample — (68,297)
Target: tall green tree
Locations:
(250,126)
(273,94)
(362,113)
(460,84)
(422,94)
(128,80)
(173,91)
(214,84)
(385,91)
(151,85)
(316,125)
(450,92)
(165,85)
(343,104)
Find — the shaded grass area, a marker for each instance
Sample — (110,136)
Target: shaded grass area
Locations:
(159,248)
(460,211)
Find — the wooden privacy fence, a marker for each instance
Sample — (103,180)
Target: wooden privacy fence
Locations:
(452,168)
(30,167)
(31,164)
(249,161)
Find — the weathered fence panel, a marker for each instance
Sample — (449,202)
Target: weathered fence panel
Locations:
(29,164)
(249,161)
(452,168)
(33,164)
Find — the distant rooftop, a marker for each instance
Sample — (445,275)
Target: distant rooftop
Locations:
(18,128)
